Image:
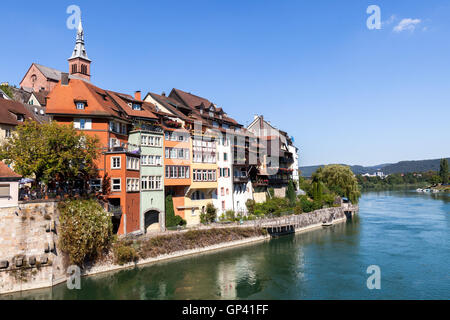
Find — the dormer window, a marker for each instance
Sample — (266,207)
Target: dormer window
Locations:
(211,114)
(136,107)
(80,105)
(20,117)
(215,124)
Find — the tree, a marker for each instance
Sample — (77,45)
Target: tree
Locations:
(290,193)
(443,171)
(8,91)
(210,215)
(50,152)
(172,220)
(85,230)
(341,180)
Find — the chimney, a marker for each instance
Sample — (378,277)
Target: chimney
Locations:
(64,79)
(137,96)
(163,94)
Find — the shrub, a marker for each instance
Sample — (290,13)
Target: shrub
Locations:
(250,204)
(86,230)
(124,253)
(229,215)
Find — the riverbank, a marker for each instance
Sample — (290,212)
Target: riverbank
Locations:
(46,277)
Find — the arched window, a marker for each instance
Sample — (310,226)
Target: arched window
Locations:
(83,69)
(74,68)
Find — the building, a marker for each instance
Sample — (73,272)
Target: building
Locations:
(41,78)
(9,187)
(146,138)
(12,114)
(279,161)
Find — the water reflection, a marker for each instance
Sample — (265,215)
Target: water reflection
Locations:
(407,234)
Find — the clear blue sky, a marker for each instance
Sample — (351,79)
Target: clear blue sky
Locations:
(346,93)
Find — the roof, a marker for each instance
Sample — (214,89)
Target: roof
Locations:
(98,102)
(6,172)
(40,97)
(196,102)
(9,110)
(53,74)
(123,99)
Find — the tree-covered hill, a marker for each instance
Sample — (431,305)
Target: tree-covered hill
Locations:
(387,168)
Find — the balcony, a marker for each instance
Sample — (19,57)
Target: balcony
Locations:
(240,179)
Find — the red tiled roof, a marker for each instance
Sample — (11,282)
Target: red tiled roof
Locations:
(6,172)
(123,99)
(9,110)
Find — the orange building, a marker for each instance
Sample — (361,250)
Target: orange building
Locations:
(104,114)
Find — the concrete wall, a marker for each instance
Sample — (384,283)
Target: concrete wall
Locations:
(29,232)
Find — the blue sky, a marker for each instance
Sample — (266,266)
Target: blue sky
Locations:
(346,93)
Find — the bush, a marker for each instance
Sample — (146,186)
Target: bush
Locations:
(124,253)
(229,215)
(85,230)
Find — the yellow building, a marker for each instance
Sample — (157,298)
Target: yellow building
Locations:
(203,188)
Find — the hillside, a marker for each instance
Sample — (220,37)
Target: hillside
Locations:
(387,168)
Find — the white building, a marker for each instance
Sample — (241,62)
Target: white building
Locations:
(9,187)
(223,199)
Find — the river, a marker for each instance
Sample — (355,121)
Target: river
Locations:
(405,233)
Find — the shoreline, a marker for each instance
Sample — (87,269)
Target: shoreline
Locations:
(106,268)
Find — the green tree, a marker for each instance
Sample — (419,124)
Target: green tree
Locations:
(85,230)
(8,91)
(443,171)
(341,180)
(290,193)
(49,152)
(172,220)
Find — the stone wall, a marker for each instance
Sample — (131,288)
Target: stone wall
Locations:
(28,252)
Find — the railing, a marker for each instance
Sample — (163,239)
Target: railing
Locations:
(38,194)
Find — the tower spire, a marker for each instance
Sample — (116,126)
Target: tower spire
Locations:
(79,63)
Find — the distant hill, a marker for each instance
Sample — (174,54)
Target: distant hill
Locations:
(387,168)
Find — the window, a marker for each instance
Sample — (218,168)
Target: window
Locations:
(95,185)
(223,205)
(132,184)
(136,107)
(204,175)
(7,133)
(80,105)
(175,153)
(222,191)
(151,141)
(4,191)
(82,124)
(150,160)
(116,184)
(198,195)
(192,212)
(225,156)
(115,163)
(132,163)
(151,183)
(177,172)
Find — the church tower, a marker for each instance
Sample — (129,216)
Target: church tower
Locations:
(79,63)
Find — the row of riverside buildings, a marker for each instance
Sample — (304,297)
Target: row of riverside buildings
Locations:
(158,145)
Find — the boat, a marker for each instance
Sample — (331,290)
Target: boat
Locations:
(327,224)
(426,190)
(419,190)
